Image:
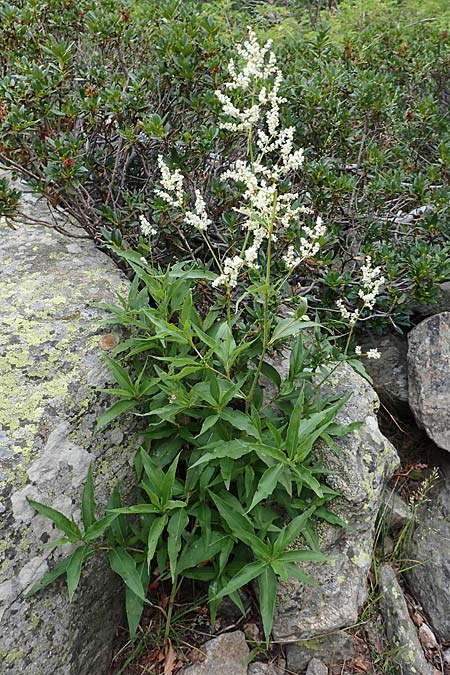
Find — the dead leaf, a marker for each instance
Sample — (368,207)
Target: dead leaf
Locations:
(360,665)
(171,658)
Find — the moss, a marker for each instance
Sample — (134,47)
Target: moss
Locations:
(12,656)
(34,621)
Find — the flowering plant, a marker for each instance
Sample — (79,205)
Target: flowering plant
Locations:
(227,478)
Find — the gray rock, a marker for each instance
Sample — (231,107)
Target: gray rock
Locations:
(429,580)
(429,377)
(446,655)
(395,511)
(390,372)
(50,364)
(332,650)
(359,472)
(427,637)
(316,667)
(224,655)
(258,668)
(400,630)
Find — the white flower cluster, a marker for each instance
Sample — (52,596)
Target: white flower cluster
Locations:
(231,269)
(371,283)
(266,211)
(309,245)
(372,280)
(198,218)
(172,183)
(146,228)
(371,353)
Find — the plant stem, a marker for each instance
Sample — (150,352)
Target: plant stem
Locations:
(267,323)
(170,606)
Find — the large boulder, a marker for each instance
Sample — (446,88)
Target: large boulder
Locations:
(429,578)
(390,372)
(50,369)
(366,459)
(429,377)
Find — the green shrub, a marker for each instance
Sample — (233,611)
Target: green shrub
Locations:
(368,95)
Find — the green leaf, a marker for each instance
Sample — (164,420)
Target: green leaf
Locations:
(134,607)
(266,485)
(292,531)
(330,517)
(271,373)
(295,572)
(49,577)
(232,449)
(168,481)
(239,523)
(208,423)
(113,412)
(241,421)
(359,368)
(296,359)
(69,527)
(137,509)
(267,583)
(74,569)
(120,374)
(198,551)
(290,326)
(175,529)
(302,556)
(294,424)
(99,527)
(88,500)
(154,474)
(124,565)
(244,576)
(154,535)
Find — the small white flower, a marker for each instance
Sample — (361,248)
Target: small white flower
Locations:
(198,218)
(146,228)
(172,183)
(373,354)
(371,281)
(358,350)
(291,258)
(231,269)
(351,317)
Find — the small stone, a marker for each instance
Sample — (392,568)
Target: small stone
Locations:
(258,668)
(224,655)
(316,667)
(108,341)
(334,649)
(251,631)
(427,637)
(400,630)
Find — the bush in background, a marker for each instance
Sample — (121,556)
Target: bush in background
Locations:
(86,109)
